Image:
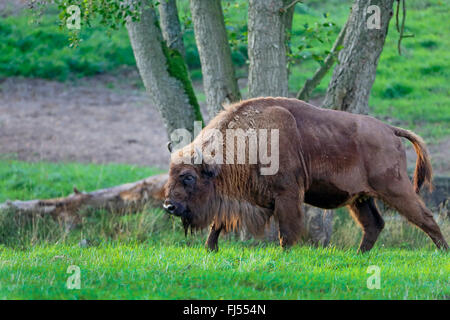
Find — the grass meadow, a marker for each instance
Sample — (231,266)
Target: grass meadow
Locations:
(155,270)
(145,255)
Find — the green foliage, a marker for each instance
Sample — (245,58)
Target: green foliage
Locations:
(314,40)
(43,51)
(111,13)
(235,14)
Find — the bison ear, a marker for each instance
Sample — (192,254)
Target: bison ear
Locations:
(210,170)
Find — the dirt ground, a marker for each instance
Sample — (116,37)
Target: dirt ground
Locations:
(102,119)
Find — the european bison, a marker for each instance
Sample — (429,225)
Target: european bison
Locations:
(327,159)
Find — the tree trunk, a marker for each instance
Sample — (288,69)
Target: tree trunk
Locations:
(164,73)
(219,80)
(170,25)
(268,75)
(287,15)
(353,77)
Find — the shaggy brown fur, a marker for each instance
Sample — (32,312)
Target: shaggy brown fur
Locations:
(327,159)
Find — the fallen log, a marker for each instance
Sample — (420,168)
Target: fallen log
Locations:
(127,196)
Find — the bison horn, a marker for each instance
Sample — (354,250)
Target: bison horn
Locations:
(169,146)
(198,157)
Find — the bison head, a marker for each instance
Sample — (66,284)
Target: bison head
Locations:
(190,188)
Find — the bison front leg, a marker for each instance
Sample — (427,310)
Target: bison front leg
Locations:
(290,216)
(213,237)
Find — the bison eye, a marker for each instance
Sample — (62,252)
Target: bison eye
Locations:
(188,179)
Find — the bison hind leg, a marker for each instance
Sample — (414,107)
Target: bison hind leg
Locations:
(409,205)
(366,214)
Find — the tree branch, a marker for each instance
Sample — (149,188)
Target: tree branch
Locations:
(293,3)
(311,83)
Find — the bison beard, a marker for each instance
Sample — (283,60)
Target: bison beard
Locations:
(186,224)
(328,159)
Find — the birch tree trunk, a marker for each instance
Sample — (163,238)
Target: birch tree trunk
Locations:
(170,25)
(219,80)
(353,77)
(268,74)
(164,73)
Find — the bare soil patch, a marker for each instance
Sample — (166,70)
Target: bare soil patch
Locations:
(102,119)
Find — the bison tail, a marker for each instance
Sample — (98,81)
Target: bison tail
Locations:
(423,172)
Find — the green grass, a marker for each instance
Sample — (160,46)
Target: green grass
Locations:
(21,180)
(144,255)
(414,87)
(155,271)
